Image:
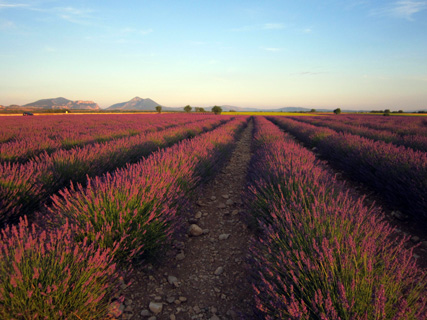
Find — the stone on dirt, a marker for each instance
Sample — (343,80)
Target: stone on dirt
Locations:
(155,307)
(195,230)
(399,215)
(229,202)
(180,256)
(218,271)
(172,280)
(145,313)
(224,236)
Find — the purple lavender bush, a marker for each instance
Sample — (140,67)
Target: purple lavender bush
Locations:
(399,174)
(361,128)
(46,275)
(138,207)
(322,254)
(34,181)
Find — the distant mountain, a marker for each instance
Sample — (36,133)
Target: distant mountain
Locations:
(285,109)
(228,108)
(62,103)
(136,103)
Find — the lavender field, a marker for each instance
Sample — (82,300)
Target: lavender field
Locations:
(85,200)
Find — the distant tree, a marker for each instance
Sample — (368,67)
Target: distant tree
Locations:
(313,110)
(187,108)
(202,109)
(337,111)
(159,109)
(386,112)
(197,109)
(400,111)
(216,110)
(232,110)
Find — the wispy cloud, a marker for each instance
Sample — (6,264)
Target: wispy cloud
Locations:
(265,26)
(4,5)
(401,9)
(6,24)
(136,31)
(307,73)
(273,26)
(244,28)
(49,49)
(69,13)
(271,49)
(72,14)
(350,5)
(146,31)
(197,43)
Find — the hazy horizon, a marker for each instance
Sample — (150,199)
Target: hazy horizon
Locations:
(313,54)
(241,106)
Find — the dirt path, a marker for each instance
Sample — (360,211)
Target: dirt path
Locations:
(204,276)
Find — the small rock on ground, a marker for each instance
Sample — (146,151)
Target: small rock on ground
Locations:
(218,271)
(155,307)
(195,230)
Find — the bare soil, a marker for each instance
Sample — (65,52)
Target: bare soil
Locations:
(205,276)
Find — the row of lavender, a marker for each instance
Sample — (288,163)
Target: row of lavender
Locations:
(61,127)
(50,133)
(398,174)
(346,125)
(70,272)
(24,188)
(402,125)
(320,253)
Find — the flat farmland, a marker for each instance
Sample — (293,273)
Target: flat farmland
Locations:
(232,216)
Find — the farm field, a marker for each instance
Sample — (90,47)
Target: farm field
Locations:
(185,216)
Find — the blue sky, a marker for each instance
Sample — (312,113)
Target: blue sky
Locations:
(348,54)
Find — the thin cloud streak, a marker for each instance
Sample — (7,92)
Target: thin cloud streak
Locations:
(271,49)
(6,24)
(307,73)
(72,14)
(273,26)
(401,9)
(265,26)
(136,31)
(9,5)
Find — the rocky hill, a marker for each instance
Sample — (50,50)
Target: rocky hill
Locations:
(62,103)
(136,103)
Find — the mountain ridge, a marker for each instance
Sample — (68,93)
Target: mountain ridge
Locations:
(136,103)
(147,104)
(62,103)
